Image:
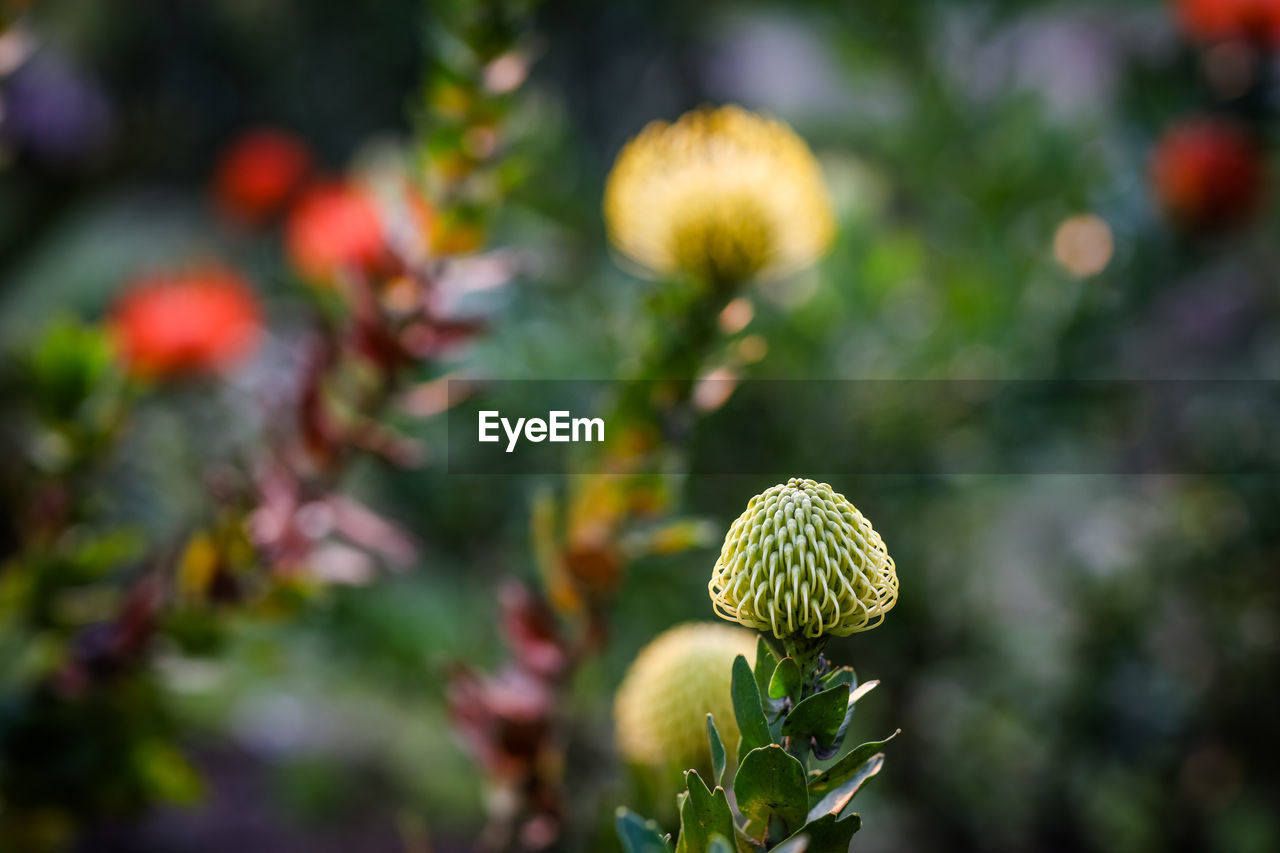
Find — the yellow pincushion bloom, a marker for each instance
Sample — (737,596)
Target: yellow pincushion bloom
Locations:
(723,194)
(661,708)
(803,561)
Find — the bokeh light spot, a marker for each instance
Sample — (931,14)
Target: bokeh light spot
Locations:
(1083,245)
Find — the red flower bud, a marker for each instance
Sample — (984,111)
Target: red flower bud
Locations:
(259,173)
(1207,174)
(1219,20)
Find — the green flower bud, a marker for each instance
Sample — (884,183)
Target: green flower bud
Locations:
(803,561)
(661,708)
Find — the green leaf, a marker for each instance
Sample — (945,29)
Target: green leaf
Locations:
(718,757)
(639,835)
(835,802)
(766,662)
(765,669)
(745,843)
(827,833)
(747,708)
(703,815)
(770,783)
(794,844)
(856,694)
(101,554)
(842,770)
(843,675)
(67,364)
(787,681)
(720,844)
(785,687)
(819,719)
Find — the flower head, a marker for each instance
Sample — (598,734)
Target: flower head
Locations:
(258,173)
(803,560)
(334,229)
(1218,20)
(676,680)
(199,321)
(723,194)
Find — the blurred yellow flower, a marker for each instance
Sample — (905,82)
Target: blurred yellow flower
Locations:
(661,709)
(801,560)
(723,194)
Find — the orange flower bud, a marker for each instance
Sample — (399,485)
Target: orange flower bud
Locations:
(335,228)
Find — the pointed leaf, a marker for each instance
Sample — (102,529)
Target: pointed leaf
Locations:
(766,667)
(703,814)
(862,690)
(770,783)
(787,680)
(639,835)
(795,844)
(835,802)
(819,718)
(747,708)
(766,661)
(843,675)
(718,757)
(838,773)
(827,833)
(854,695)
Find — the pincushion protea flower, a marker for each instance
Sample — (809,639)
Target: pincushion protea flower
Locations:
(801,560)
(198,321)
(680,677)
(723,194)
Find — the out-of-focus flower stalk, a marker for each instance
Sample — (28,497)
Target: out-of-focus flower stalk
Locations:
(509,720)
(707,204)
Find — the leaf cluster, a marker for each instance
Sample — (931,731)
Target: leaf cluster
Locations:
(777,803)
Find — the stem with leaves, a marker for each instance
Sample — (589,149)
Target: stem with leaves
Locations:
(792,713)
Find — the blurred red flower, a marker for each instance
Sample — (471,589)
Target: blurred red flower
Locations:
(175,323)
(335,228)
(1217,20)
(259,173)
(1207,174)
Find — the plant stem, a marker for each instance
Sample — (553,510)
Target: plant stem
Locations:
(807,653)
(686,335)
